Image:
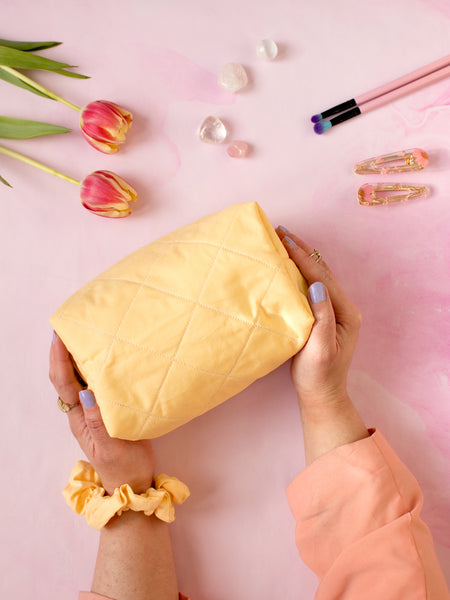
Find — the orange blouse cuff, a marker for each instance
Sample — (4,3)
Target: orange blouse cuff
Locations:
(359,528)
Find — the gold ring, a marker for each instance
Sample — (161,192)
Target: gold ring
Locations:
(316,255)
(64,406)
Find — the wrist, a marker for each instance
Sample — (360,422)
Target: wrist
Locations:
(320,404)
(130,519)
(328,425)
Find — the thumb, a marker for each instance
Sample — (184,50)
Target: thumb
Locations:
(93,417)
(323,334)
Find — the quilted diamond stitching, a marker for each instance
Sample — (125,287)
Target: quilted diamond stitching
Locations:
(233,219)
(201,304)
(161,354)
(244,347)
(223,248)
(108,353)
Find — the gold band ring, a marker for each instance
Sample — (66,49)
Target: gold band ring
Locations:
(64,406)
(316,255)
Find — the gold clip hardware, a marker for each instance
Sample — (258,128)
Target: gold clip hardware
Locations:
(395,162)
(377,194)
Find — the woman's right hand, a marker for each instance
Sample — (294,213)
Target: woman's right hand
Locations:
(319,370)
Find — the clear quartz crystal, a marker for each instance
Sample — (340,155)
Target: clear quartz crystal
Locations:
(212,131)
(266,49)
(233,77)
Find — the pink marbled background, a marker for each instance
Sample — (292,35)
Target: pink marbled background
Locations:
(234,538)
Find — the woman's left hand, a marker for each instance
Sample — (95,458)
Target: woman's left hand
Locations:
(116,461)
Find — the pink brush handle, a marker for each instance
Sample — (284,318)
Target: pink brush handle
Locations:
(406,89)
(402,81)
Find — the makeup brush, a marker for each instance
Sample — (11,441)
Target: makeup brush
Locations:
(383,94)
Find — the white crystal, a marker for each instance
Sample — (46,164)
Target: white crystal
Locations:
(233,77)
(267,49)
(212,131)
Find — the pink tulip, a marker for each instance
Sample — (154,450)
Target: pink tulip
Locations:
(106,194)
(104,125)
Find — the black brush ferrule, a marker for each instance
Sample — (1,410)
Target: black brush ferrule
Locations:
(354,112)
(339,108)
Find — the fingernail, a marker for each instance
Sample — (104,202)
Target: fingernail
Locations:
(283,229)
(289,241)
(54,338)
(87,398)
(317,292)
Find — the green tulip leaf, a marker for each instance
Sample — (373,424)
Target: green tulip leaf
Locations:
(5,182)
(10,78)
(23,129)
(28,46)
(17,59)
(71,74)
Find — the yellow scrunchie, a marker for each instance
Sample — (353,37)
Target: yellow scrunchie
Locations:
(86,496)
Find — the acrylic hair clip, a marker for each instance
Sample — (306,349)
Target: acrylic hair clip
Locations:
(375,194)
(395,162)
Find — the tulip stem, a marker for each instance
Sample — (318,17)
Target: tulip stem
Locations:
(39,165)
(38,87)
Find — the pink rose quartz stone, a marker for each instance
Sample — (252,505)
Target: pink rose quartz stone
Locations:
(238,149)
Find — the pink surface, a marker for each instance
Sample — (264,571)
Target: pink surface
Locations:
(235,536)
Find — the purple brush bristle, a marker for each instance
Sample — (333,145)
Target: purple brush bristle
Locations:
(316,118)
(322,127)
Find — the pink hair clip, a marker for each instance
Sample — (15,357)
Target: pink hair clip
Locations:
(375,194)
(395,162)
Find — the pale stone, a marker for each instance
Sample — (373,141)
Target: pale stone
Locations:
(267,49)
(233,77)
(212,131)
(238,149)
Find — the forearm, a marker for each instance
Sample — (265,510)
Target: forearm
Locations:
(135,560)
(330,425)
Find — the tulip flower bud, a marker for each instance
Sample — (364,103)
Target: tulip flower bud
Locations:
(104,125)
(106,194)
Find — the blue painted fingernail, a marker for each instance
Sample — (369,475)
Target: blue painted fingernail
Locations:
(289,241)
(317,292)
(87,398)
(283,229)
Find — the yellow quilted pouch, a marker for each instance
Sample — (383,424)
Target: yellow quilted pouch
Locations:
(186,322)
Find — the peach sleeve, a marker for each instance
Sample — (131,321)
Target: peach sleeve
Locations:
(359,529)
